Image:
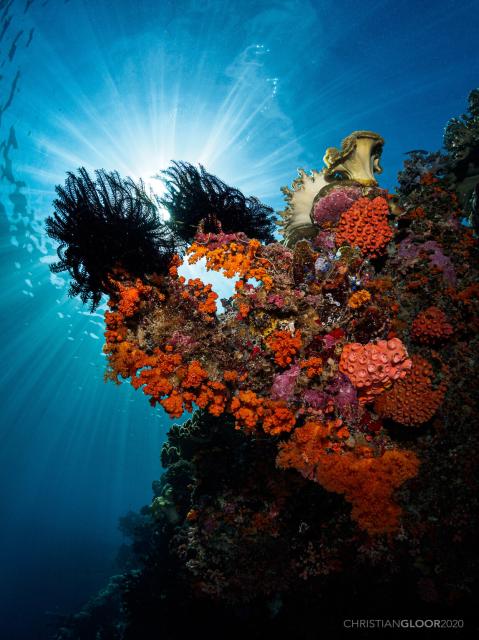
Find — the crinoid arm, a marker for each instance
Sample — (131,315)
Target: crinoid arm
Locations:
(103,224)
(194,196)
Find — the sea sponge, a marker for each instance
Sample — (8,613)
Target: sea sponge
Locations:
(413,400)
(284,383)
(431,326)
(365,225)
(374,366)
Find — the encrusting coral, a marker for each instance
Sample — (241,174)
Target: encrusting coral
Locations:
(365,225)
(414,400)
(359,298)
(431,326)
(373,367)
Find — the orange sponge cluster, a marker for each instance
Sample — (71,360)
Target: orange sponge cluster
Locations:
(372,367)
(412,401)
(365,225)
(431,326)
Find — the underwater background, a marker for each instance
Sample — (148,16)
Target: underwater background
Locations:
(252,90)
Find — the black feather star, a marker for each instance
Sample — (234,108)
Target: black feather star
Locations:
(193,195)
(105,224)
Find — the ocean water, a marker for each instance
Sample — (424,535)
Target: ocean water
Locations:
(252,90)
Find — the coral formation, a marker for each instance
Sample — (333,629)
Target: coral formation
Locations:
(298,481)
(414,400)
(327,210)
(365,225)
(431,326)
(373,367)
(359,298)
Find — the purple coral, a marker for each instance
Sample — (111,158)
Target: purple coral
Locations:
(345,395)
(329,208)
(283,384)
(409,250)
(315,398)
(324,240)
(276,300)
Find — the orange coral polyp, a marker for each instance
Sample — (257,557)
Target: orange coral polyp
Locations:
(431,326)
(195,375)
(313,366)
(285,345)
(365,225)
(413,401)
(248,409)
(130,297)
(202,296)
(359,298)
(278,418)
(234,259)
(371,368)
(367,482)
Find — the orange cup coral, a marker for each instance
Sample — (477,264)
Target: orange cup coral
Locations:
(371,368)
(359,298)
(285,345)
(365,225)
(367,482)
(414,400)
(431,326)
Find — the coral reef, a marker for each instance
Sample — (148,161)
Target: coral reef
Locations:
(329,464)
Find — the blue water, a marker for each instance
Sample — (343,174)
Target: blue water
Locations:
(251,89)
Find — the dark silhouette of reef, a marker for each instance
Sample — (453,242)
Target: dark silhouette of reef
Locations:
(237,581)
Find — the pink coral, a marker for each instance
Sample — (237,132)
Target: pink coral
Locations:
(372,367)
(409,250)
(329,208)
(283,384)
